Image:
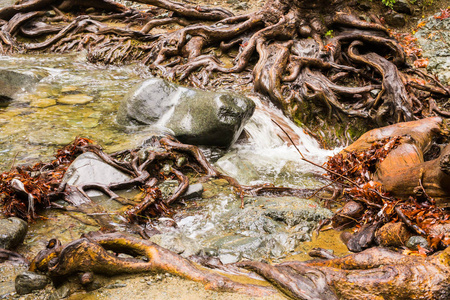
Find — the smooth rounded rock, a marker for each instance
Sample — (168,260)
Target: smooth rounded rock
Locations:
(402,6)
(395,20)
(194,116)
(30,281)
(12,232)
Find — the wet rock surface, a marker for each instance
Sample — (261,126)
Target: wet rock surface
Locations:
(194,116)
(13,82)
(29,281)
(265,228)
(12,232)
(434,39)
(89,168)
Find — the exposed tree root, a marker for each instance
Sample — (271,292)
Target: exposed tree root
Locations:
(90,255)
(25,190)
(373,274)
(376,273)
(400,173)
(335,73)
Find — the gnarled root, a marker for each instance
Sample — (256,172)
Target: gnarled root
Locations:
(336,75)
(91,254)
(373,273)
(376,273)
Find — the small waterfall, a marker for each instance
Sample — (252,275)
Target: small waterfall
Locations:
(267,156)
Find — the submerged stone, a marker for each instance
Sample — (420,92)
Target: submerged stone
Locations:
(75,99)
(12,232)
(195,116)
(266,227)
(43,103)
(176,242)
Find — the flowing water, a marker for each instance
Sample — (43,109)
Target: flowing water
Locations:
(35,123)
(41,119)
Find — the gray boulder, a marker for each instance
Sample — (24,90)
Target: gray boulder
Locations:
(13,82)
(30,281)
(12,232)
(194,116)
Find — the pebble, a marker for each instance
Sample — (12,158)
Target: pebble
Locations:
(43,103)
(115,285)
(416,240)
(75,99)
(220,182)
(69,89)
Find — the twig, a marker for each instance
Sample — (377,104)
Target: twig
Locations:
(14,161)
(408,222)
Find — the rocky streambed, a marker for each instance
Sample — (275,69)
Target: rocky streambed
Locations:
(56,98)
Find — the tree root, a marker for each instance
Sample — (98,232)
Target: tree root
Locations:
(373,273)
(270,43)
(90,255)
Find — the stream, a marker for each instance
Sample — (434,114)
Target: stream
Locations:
(45,117)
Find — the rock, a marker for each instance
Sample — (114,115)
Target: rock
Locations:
(70,89)
(193,191)
(266,227)
(402,6)
(434,38)
(238,167)
(13,82)
(89,168)
(395,20)
(194,116)
(43,103)
(392,235)
(352,210)
(374,93)
(75,99)
(30,281)
(365,5)
(177,242)
(50,13)
(12,232)
(415,241)
(229,258)
(61,292)
(168,187)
